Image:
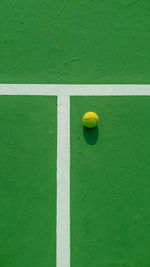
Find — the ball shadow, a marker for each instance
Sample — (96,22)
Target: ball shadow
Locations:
(91,135)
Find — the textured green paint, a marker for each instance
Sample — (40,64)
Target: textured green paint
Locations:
(27,181)
(93,41)
(110,183)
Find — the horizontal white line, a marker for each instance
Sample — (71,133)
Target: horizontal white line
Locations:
(74,89)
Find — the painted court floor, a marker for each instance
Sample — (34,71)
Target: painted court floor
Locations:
(71,196)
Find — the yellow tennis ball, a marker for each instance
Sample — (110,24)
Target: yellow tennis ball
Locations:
(90,119)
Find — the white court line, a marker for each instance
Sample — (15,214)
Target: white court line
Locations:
(63,92)
(63,182)
(74,89)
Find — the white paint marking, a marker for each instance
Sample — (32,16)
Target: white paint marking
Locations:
(63,182)
(63,142)
(74,89)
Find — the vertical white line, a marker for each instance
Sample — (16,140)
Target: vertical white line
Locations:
(63,181)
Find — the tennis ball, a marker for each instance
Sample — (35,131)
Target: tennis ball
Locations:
(90,119)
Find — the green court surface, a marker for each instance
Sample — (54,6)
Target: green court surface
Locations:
(44,43)
(93,41)
(27,181)
(110,183)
